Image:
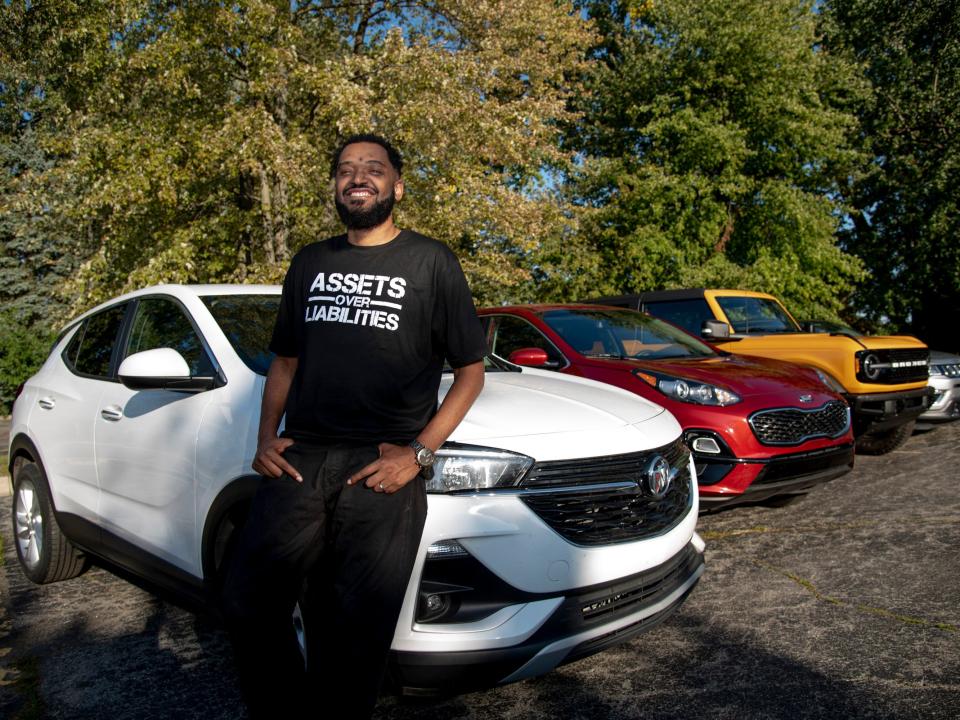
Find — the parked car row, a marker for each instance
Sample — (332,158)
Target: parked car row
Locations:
(883,378)
(562,511)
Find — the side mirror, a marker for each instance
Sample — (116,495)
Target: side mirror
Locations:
(714,329)
(529,357)
(161,369)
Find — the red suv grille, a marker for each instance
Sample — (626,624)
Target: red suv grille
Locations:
(792,426)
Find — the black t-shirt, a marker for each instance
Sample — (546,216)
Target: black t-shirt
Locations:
(371,327)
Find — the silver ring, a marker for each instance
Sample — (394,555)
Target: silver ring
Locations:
(380,486)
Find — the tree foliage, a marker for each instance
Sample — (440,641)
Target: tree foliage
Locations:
(22,352)
(35,255)
(190,141)
(906,220)
(714,133)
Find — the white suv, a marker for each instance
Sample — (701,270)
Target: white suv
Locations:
(561,515)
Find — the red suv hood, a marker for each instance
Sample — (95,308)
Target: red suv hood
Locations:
(746,376)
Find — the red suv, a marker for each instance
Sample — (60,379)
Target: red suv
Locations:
(757,427)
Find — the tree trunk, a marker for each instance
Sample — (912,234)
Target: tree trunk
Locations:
(727,233)
(273,207)
(361,34)
(281,231)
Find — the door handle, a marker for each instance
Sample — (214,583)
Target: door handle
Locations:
(112,412)
(46,403)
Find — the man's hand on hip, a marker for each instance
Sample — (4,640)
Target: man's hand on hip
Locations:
(269,458)
(396,466)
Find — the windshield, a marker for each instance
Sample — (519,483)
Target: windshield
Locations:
(623,334)
(247,321)
(756,315)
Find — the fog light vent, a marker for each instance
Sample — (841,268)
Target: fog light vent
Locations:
(706,445)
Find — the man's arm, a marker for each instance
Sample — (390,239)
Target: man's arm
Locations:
(269,458)
(397,464)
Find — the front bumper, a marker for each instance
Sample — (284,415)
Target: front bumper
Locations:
(581,623)
(945,404)
(498,594)
(738,481)
(883,411)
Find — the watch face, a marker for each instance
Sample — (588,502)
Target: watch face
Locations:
(424,457)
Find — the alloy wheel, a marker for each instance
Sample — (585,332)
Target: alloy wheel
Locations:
(29,524)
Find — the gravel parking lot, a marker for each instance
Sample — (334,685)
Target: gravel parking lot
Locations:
(843,604)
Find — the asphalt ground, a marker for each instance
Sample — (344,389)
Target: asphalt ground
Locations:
(843,604)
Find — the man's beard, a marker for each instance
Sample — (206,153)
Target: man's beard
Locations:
(365,219)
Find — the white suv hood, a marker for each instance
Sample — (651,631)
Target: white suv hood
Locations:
(554,417)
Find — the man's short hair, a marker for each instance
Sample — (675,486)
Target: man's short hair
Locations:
(392,153)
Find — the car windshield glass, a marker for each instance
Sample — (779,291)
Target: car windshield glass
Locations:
(247,321)
(756,315)
(623,334)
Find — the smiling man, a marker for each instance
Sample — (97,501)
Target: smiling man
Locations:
(366,321)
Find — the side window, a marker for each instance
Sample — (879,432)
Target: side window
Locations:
(91,348)
(512,333)
(688,314)
(160,323)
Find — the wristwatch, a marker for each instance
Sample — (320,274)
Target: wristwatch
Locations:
(422,454)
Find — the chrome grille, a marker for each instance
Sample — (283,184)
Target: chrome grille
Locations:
(603,500)
(792,426)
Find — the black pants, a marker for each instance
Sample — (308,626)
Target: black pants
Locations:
(356,549)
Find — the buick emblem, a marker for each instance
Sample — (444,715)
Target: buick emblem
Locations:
(658,476)
(806,398)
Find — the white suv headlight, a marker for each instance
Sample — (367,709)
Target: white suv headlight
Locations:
(464,467)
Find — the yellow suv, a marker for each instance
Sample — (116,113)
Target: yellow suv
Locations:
(884,378)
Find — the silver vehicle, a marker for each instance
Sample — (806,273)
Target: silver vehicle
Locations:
(945,380)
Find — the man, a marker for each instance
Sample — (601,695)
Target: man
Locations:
(366,320)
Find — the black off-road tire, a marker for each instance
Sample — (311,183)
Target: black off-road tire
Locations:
(44,552)
(886,441)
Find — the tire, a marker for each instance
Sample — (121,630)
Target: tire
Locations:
(886,441)
(45,554)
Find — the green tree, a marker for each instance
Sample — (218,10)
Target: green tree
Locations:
(22,350)
(906,220)
(192,139)
(713,134)
(35,256)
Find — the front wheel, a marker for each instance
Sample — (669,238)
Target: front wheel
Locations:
(44,552)
(885,441)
